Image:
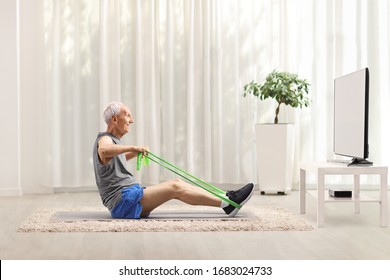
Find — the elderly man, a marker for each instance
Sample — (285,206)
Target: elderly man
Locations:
(119,191)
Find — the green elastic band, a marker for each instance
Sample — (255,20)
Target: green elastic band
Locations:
(192,179)
(187,174)
(142,161)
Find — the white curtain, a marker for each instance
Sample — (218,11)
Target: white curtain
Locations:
(181,66)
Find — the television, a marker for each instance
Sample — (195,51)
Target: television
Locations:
(351,104)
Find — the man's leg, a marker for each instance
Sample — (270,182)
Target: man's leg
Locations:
(156,195)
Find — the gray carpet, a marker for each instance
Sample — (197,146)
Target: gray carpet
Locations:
(168,218)
(103,215)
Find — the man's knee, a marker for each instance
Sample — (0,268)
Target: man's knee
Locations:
(177,182)
(177,187)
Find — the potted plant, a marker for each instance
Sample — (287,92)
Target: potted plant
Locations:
(275,142)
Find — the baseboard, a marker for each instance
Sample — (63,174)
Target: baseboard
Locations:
(10,192)
(37,190)
(75,189)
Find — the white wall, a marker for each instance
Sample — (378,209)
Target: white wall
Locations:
(22,98)
(32,97)
(9,101)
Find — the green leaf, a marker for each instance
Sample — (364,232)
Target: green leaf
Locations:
(283,87)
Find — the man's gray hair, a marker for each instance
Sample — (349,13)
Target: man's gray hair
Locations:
(111,110)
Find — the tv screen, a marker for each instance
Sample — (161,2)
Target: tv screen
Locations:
(351,94)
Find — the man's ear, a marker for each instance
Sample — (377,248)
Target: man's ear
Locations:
(114,118)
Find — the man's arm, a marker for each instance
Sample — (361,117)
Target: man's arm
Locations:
(107,150)
(131,155)
(136,150)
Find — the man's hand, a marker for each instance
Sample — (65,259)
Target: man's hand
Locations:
(107,150)
(136,150)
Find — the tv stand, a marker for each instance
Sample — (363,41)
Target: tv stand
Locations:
(352,162)
(359,162)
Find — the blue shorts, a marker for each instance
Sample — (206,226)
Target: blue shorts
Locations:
(129,207)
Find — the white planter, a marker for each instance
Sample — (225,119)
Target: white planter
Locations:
(275,157)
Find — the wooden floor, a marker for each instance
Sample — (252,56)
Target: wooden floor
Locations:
(345,236)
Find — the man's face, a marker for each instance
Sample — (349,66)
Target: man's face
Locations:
(124,119)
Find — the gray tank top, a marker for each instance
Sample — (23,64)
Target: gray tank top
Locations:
(112,177)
